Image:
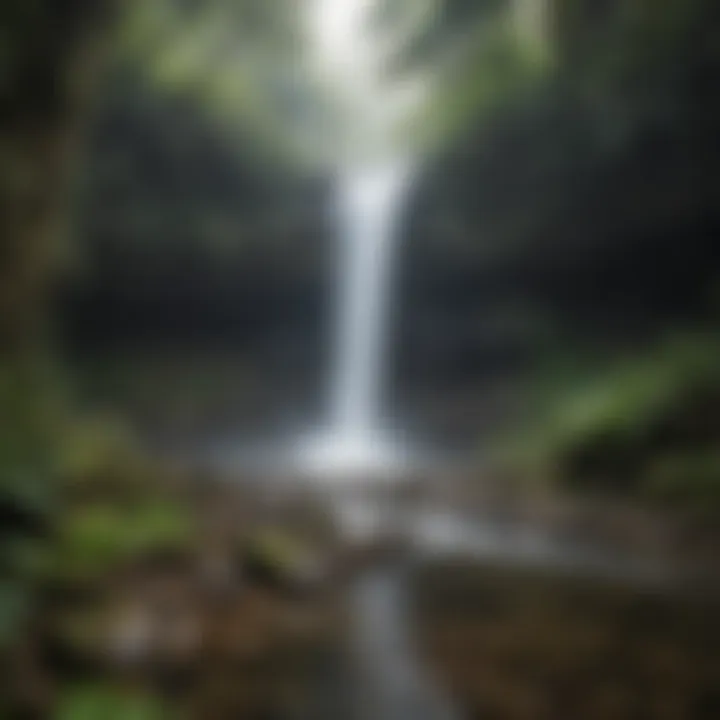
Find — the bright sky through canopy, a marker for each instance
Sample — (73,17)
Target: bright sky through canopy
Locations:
(352,57)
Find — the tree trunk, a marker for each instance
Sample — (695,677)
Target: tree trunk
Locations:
(53,54)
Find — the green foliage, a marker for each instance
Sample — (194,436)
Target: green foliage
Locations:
(100,456)
(29,418)
(252,62)
(691,478)
(275,549)
(15,604)
(95,539)
(29,414)
(624,423)
(627,398)
(107,703)
(498,66)
(227,56)
(245,60)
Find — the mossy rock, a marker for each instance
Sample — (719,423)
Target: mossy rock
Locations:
(97,538)
(277,559)
(100,456)
(107,703)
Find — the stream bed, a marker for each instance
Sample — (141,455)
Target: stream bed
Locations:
(513,642)
(469,620)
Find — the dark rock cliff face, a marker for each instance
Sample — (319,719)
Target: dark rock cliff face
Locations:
(184,236)
(594,240)
(586,213)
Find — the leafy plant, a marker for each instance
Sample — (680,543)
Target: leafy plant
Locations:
(107,703)
(96,538)
(624,423)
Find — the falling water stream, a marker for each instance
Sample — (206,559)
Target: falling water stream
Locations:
(369,203)
(369,208)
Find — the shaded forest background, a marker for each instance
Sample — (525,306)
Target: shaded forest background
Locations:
(558,295)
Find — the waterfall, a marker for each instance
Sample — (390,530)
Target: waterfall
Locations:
(368,206)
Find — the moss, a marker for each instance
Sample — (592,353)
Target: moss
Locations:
(642,424)
(97,538)
(689,477)
(95,702)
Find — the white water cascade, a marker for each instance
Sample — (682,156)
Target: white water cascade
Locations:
(369,207)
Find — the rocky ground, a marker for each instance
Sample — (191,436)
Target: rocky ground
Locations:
(517,645)
(250,619)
